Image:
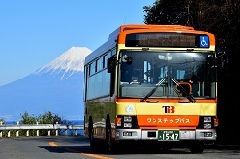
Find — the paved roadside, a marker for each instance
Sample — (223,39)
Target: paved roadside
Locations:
(224,146)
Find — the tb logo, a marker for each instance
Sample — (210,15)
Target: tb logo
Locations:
(168,109)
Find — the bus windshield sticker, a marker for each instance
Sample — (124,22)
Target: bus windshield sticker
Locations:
(204,41)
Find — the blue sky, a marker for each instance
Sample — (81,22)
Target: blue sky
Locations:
(34,32)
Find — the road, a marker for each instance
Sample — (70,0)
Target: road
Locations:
(71,147)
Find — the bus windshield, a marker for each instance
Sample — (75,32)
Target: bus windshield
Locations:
(170,74)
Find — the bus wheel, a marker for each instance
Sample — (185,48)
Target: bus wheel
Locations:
(197,147)
(92,141)
(109,144)
(91,135)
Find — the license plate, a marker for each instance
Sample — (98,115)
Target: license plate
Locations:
(168,135)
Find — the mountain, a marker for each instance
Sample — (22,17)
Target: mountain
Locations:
(55,87)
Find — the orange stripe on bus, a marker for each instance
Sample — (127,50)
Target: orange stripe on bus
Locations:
(167,121)
(167,128)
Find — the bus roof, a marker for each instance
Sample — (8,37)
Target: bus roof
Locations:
(127,27)
(111,42)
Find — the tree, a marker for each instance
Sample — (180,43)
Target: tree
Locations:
(27,119)
(46,118)
(164,12)
(2,121)
(49,118)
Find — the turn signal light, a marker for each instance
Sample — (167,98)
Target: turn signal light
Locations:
(215,122)
(118,121)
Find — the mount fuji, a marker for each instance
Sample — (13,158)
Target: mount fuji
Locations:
(56,87)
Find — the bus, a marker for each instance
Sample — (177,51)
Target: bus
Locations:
(152,85)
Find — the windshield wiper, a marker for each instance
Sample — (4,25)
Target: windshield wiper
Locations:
(153,90)
(189,95)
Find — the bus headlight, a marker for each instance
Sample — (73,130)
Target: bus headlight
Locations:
(126,122)
(207,119)
(207,122)
(207,125)
(127,125)
(127,119)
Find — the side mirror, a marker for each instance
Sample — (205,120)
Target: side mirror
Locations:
(111,67)
(111,64)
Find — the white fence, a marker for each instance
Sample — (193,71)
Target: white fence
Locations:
(37,127)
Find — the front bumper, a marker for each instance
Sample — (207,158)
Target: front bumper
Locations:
(139,134)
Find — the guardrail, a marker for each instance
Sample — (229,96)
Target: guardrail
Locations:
(38,127)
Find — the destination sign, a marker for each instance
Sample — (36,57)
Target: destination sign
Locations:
(162,39)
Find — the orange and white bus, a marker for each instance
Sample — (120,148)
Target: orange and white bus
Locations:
(152,85)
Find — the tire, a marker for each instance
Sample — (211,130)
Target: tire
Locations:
(197,147)
(109,143)
(92,141)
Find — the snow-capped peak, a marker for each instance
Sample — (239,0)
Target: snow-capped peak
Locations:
(69,62)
